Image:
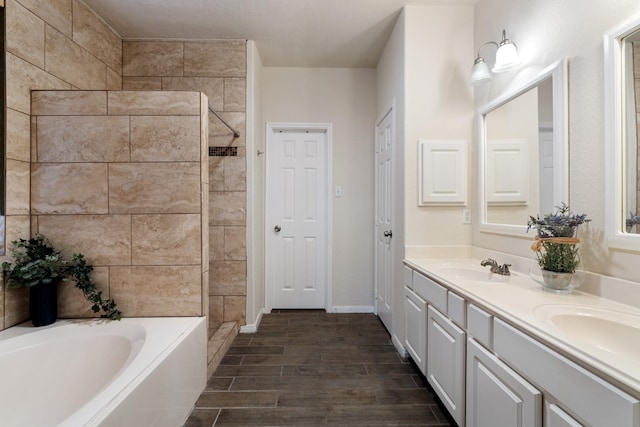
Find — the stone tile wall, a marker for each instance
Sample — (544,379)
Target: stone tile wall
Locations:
(217,68)
(122,177)
(50,44)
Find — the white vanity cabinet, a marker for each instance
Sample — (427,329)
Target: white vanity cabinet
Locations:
(415,315)
(446,361)
(496,394)
(489,373)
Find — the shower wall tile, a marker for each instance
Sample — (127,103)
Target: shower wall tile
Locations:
(69,188)
(235,94)
(216,243)
(212,87)
(235,174)
(216,174)
(227,208)
(22,78)
(234,309)
(162,139)
(152,58)
(103,239)
(221,136)
(83,139)
(217,58)
(174,290)
(28,33)
(69,103)
(216,312)
(18,140)
(95,36)
(234,243)
(39,43)
(57,13)
(141,83)
(204,141)
(2,309)
(16,306)
(166,239)
(228,278)
(154,188)
(17,183)
(154,103)
(114,79)
(72,63)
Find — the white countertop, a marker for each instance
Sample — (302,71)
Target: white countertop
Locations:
(522,302)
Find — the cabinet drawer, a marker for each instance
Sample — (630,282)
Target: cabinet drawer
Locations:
(408,277)
(556,417)
(431,291)
(591,398)
(480,325)
(456,309)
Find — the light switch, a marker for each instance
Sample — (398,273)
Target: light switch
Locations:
(338,191)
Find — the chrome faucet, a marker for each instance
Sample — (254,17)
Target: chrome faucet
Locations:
(495,268)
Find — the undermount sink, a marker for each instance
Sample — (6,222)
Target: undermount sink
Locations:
(608,330)
(472,273)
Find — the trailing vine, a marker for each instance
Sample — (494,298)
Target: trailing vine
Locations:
(36,262)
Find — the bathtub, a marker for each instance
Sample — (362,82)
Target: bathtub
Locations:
(135,372)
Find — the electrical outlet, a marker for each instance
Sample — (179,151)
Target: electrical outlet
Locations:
(466,216)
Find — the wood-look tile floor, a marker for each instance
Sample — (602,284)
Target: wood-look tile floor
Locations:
(311,368)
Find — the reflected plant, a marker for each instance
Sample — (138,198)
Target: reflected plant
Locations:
(633,219)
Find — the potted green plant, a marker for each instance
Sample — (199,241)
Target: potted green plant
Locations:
(556,247)
(41,268)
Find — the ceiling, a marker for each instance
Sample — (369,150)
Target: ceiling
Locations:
(288,33)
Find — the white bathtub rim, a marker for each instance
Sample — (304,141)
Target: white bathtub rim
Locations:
(161,339)
(88,413)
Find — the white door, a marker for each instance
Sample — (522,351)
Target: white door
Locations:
(297,218)
(383,219)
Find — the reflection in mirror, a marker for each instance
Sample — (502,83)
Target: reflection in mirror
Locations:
(3,121)
(631,52)
(622,96)
(523,153)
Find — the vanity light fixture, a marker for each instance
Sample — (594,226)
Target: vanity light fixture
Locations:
(506,59)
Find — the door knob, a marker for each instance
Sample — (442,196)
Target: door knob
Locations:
(388,233)
(277,229)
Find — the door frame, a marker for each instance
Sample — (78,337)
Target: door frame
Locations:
(390,110)
(327,128)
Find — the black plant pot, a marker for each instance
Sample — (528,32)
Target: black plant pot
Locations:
(43,304)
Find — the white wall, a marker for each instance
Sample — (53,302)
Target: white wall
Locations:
(439,105)
(425,68)
(546,31)
(346,98)
(255,188)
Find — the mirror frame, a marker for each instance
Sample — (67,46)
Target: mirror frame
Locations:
(558,72)
(614,136)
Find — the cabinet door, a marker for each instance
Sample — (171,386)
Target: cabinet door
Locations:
(445,362)
(415,320)
(497,395)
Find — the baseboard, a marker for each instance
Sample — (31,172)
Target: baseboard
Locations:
(253,327)
(399,347)
(352,309)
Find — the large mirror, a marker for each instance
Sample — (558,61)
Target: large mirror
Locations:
(622,109)
(523,153)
